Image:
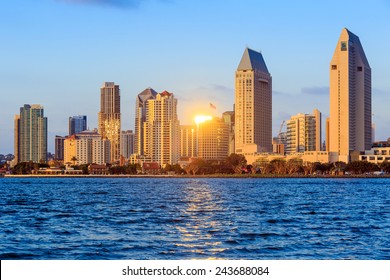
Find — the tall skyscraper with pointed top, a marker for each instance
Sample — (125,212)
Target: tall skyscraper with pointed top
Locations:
(110,118)
(253,105)
(350,98)
(140,118)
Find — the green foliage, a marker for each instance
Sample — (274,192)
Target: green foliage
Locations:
(236,162)
(124,170)
(28,167)
(176,168)
(195,165)
(385,166)
(361,167)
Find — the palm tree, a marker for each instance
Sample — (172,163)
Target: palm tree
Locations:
(74,159)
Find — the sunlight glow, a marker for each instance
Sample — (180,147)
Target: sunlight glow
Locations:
(200,119)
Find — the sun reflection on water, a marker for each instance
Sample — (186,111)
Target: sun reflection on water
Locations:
(201,212)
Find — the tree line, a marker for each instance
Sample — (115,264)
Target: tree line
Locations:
(233,164)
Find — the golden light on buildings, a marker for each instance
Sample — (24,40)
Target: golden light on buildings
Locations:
(201,119)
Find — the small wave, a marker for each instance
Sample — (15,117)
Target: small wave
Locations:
(17,256)
(232,241)
(101,192)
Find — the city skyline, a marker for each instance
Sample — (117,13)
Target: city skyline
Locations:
(60,64)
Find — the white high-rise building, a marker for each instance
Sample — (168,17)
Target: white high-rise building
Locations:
(253,105)
(350,98)
(162,129)
(304,133)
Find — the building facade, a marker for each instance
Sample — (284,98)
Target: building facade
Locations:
(77,124)
(59,147)
(140,118)
(162,129)
(188,141)
(350,98)
(110,118)
(228,118)
(86,147)
(213,139)
(31,134)
(304,133)
(253,105)
(127,143)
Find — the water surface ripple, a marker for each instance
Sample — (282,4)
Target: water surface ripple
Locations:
(189,218)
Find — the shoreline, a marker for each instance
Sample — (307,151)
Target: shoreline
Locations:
(214,176)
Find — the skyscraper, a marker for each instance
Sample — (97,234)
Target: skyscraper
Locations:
(213,139)
(228,118)
(77,124)
(162,129)
(127,143)
(16,138)
(350,97)
(140,118)
(188,141)
(31,127)
(59,147)
(304,133)
(253,105)
(110,118)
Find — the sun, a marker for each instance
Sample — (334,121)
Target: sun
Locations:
(201,118)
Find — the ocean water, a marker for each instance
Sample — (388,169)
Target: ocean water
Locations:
(189,218)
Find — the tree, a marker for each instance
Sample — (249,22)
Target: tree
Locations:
(294,166)
(74,159)
(177,168)
(195,165)
(278,166)
(361,167)
(385,166)
(236,162)
(339,166)
(310,167)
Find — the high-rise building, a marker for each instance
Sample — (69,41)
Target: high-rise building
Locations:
(253,105)
(350,98)
(31,134)
(228,118)
(327,132)
(110,118)
(188,141)
(16,139)
(86,147)
(77,124)
(304,133)
(162,129)
(140,118)
(127,143)
(213,139)
(59,147)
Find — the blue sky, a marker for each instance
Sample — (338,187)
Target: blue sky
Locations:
(57,53)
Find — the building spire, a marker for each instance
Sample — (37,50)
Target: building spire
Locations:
(252,60)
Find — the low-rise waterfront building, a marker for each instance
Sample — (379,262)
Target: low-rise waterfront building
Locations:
(86,147)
